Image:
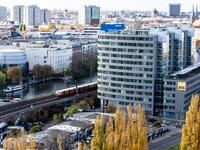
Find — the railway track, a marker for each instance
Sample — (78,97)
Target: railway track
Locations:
(13,109)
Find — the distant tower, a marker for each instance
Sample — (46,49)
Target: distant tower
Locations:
(197,13)
(194,15)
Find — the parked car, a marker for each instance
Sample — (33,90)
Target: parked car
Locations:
(16,100)
(6,100)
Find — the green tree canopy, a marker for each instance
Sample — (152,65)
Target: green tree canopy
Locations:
(2,80)
(14,74)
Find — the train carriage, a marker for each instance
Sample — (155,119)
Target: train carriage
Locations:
(80,89)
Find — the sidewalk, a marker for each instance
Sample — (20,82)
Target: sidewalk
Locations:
(172,131)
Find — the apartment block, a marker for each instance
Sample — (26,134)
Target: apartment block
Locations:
(17,13)
(3,13)
(44,16)
(133,63)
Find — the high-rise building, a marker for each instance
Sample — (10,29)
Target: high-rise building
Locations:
(132,64)
(32,15)
(89,14)
(3,13)
(44,16)
(174,10)
(17,13)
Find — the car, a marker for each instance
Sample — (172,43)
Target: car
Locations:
(152,120)
(16,100)
(6,100)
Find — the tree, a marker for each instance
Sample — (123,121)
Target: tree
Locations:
(23,27)
(37,70)
(51,26)
(191,130)
(58,119)
(14,74)
(18,142)
(98,132)
(61,28)
(109,135)
(59,142)
(68,71)
(197,42)
(129,133)
(48,70)
(31,144)
(2,80)
(20,28)
(141,128)
(110,108)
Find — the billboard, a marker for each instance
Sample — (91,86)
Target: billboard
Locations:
(112,27)
(182,86)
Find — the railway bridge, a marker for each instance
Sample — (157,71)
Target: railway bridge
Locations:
(14,109)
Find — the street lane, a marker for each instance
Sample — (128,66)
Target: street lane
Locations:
(166,143)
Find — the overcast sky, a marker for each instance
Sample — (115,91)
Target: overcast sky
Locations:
(160,5)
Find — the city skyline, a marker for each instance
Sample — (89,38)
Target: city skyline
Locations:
(105,5)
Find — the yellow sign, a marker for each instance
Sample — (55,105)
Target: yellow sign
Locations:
(182,86)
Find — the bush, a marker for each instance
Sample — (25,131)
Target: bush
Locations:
(74,108)
(36,128)
(110,108)
(58,119)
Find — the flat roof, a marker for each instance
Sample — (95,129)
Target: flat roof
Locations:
(187,70)
(10,50)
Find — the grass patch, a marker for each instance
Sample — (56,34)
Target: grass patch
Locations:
(176,147)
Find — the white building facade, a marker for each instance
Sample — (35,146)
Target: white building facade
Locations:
(44,16)
(3,13)
(17,13)
(57,56)
(12,57)
(32,15)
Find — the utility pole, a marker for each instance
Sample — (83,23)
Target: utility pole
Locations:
(36,74)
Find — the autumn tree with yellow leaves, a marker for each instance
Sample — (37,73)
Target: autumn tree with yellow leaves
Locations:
(191,130)
(98,132)
(18,142)
(129,132)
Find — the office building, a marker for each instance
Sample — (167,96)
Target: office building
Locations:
(174,10)
(17,14)
(32,15)
(44,16)
(89,15)
(132,64)
(9,57)
(57,56)
(178,90)
(3,13)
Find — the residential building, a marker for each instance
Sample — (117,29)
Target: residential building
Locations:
(3,13)
(17,14)
(89,15)
(32,15)
(44,16)
(174,10)
(178,90)
(57,56)
(132,64)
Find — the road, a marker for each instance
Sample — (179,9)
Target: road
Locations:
(166,143)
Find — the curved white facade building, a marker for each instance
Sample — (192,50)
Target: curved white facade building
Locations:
(12,57)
